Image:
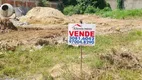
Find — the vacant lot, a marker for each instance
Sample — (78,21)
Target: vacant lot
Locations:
(44,55)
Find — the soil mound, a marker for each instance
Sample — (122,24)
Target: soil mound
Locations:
(122,60)
(44,15)
(6,26)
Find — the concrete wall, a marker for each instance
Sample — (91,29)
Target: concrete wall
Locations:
(133,4)
(113,3)
(128,4)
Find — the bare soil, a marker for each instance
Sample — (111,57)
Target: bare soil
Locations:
(54,34)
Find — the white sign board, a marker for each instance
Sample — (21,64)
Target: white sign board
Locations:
(81,34)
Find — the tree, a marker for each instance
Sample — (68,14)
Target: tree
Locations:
(69,2)
(86,6)
(101,4)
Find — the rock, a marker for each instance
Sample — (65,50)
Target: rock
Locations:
(117,29)
(1,55)
(57,71)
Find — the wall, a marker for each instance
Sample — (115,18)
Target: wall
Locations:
(21,7)
(128,4)
(113,3)
(18,3)
(133,4)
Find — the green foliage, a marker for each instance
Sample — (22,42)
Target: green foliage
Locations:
(120,4)
(69,10)
(86,6)
(101,4)
(120,14)
(69,2)
(90,9)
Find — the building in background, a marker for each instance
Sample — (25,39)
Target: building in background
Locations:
(18,3)
(23,6)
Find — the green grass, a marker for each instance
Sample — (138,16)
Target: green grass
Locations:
(130,74)
(26,62)
(121,14)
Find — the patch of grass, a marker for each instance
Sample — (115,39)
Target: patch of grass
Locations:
(121,14)
(94,62)
(31,61)
(106,76)
(8,71)
(130,74)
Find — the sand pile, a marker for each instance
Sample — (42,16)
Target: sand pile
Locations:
(44,15)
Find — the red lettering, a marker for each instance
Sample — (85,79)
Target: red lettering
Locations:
(76,33)
(81,33)
(92,34)
(71,33)
(87,33)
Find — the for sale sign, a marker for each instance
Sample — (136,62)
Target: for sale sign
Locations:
(81,34)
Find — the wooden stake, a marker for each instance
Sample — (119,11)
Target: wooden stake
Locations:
(81,59)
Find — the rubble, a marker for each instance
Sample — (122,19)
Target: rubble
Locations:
(6,26)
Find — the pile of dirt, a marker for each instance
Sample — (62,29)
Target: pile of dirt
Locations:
(6,26)
(122,61)
(44,15)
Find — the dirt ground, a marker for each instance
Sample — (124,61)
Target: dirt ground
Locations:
(54,34)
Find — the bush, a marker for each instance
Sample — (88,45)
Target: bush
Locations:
(90,9)
(78,9)
(107,9)
(86,6)
(68,10)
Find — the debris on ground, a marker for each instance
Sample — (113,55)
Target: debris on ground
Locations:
(123,60)
(44,15)
(6,26)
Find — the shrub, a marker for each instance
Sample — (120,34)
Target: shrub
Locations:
(78,9)
(68,10)
(90,9)
(86,6)
(107,9)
